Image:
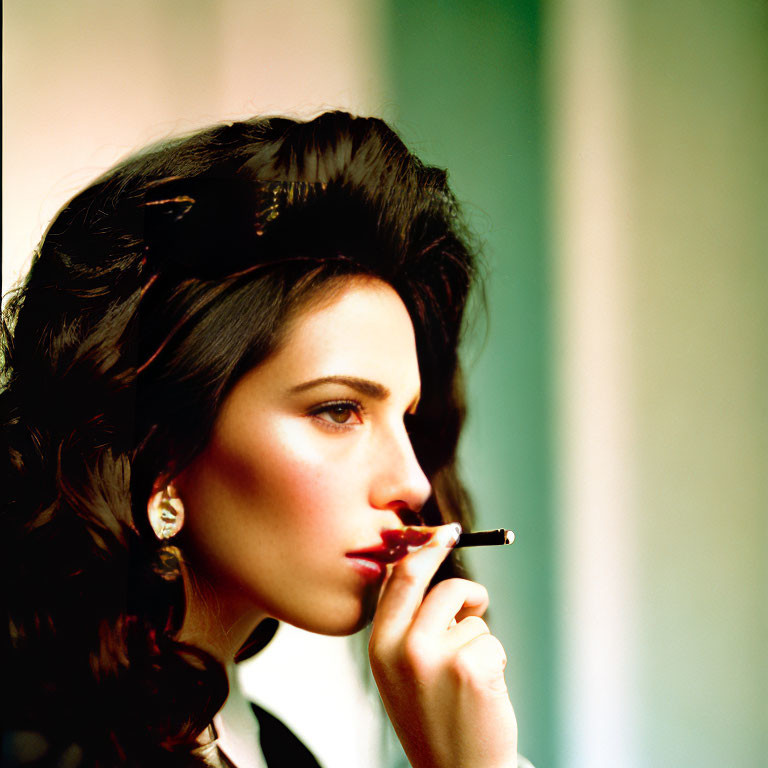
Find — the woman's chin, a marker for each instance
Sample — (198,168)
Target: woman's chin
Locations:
(340,621)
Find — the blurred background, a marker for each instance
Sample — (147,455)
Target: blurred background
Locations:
(613,156)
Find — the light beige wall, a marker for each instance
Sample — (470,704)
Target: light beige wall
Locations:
(660,123)
(699,184)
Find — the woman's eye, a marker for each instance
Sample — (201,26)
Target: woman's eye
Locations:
(339,414)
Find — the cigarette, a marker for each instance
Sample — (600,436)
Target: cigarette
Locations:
(485,538)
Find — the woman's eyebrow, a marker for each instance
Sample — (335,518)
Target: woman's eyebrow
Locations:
(364,386)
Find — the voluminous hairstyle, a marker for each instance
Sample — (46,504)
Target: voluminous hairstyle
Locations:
(151,294)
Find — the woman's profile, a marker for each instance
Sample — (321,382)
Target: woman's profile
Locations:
(231,397)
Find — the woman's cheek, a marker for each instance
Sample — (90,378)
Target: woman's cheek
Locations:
(312,486)
(301,473)
(278,485)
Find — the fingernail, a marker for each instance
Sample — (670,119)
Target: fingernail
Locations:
(448,535)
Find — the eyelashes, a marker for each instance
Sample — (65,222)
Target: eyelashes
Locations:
(339,415)
(346,414)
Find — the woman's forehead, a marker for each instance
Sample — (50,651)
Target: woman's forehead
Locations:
(363,330)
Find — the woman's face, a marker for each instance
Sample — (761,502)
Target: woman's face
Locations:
(309,461)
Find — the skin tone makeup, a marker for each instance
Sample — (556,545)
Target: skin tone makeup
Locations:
(308,469)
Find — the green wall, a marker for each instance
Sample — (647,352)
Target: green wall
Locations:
(468,97)
(699,180)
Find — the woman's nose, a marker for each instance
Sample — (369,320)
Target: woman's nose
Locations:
(399,481)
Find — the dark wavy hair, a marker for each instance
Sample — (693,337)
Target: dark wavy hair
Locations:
(151,293)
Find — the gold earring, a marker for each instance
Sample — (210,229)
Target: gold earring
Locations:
(166,513)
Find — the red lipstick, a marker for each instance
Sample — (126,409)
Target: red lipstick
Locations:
(396,544)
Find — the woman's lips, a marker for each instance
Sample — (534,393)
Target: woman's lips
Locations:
(396,544)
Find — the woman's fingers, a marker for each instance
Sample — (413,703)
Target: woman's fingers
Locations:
(450,599)
(439,670)
(467,630)
(481,662)
(404,588)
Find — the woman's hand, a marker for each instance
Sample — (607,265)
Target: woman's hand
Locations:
(439,670)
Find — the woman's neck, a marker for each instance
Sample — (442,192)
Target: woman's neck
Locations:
(216,625)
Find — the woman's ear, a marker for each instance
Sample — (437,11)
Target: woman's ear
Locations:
(165,511)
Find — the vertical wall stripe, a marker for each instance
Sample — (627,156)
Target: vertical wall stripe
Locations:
(596,538)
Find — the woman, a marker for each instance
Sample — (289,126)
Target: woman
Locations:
(232,395)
